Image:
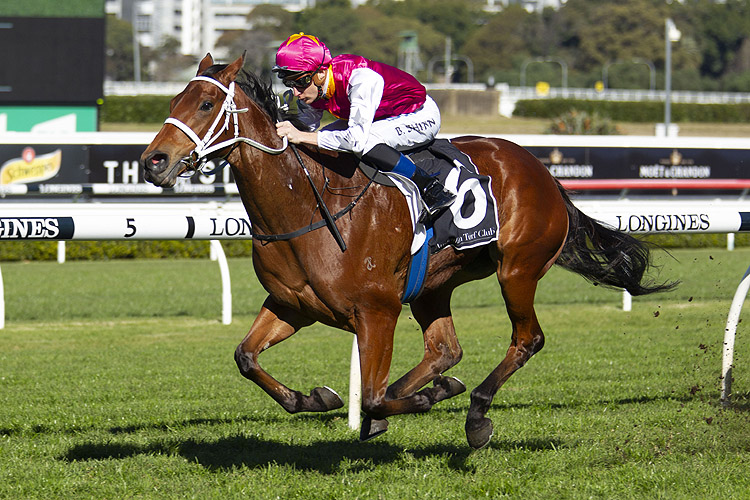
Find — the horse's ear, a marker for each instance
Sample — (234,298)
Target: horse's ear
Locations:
(205,63)
(230,72)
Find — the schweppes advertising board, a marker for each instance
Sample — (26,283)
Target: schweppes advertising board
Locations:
(31,168)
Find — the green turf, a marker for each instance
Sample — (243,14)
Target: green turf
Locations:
(117,381)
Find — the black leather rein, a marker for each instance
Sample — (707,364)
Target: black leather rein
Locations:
(327,221)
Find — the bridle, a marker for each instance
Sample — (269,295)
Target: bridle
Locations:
(197,158)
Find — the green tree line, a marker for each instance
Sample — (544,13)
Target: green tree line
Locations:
(713,52)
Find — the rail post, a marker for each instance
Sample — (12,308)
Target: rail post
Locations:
(733,320)
(355,387)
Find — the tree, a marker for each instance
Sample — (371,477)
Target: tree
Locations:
(380,37)
(166,63)
(720,30)
(622,31)
(119,41)
(258,46)
(458,19)
(501,43)
(274,19)
(369,32)
(338,26)
(267,26)
(713,53)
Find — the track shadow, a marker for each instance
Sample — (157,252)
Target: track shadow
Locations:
(739,402)
(327,457)
(166,426)
(162,426)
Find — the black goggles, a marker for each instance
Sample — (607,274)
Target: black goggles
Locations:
(298,81)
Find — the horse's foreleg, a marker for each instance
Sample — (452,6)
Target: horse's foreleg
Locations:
(375,342)
(441,352)
(527,339)
(274,324)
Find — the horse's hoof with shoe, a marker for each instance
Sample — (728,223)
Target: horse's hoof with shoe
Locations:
(445,387)
(479,432)
(372,428)
(326,398)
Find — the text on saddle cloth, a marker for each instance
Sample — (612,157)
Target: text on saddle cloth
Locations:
(472,218)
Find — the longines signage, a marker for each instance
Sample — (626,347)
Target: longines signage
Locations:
(652,223)
(678,217)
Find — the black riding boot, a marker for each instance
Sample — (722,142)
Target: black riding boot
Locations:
(434,194)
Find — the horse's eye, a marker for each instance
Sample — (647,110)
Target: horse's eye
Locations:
(207,106)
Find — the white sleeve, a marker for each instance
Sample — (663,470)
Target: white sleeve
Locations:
(365,92)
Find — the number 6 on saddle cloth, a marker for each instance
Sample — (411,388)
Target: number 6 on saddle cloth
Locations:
(470,221)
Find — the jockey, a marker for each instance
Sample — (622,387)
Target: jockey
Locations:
(380,110)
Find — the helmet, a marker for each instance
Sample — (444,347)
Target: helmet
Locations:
(301,52)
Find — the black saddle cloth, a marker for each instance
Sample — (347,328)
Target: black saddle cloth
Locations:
(472,219)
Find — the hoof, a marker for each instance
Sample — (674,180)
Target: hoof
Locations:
(451,385)
(372,428)
(443,388)
(326,398)
(479,434)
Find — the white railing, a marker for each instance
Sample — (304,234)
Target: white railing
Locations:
(143,88)
(128,221)
(509,96)
(515,93)
(518,93)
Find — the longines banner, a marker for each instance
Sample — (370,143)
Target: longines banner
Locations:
(113,170)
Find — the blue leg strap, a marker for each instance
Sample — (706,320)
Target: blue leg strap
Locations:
(405,167)
(417,270)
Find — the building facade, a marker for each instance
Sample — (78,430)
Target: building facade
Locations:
(196,24)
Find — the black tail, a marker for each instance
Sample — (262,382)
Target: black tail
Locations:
(605,256)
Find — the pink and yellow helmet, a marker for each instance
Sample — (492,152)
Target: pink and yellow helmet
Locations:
(301,53)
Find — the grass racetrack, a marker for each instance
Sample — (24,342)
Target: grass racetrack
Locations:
(117,380)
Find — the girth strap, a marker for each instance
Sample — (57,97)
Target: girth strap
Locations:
(418,266)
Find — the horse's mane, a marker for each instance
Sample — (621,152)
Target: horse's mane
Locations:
(261,92)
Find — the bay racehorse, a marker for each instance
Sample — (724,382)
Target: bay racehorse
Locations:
(229,113)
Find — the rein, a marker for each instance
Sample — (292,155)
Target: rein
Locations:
(314,225)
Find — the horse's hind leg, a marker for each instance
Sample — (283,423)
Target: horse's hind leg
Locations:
(274,324)
(441,351)
(518,280)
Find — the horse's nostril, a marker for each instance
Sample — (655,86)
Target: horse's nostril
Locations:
(156,160)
